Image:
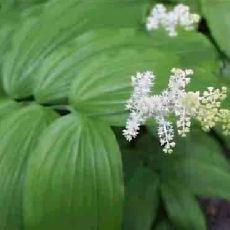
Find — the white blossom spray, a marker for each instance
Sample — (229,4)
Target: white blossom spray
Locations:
(179,16)
(202,106)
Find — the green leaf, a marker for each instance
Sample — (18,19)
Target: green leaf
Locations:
(19,134)
(9,20)
(182,208)
(56,73)
(194,51)
(74,178)
(141,200)
(204,179)
(7,107)
(46,56)
(202,169)
(218,17)
(66,62)
(205,148)
(7,5)
(60,22)
(104,85)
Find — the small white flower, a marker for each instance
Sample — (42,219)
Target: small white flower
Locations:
(170,20)
(132,126)
(166,134)
(205,107)
(157,15)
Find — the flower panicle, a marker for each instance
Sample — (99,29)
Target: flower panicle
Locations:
(179,16)
(174,100)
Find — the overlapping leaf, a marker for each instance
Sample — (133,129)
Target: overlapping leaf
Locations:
(19,133)
(43,62)
(141,200)
(55,75)
(182,208)
(7,107)
(60,22)
(218,17)
(74,178)
(202,170)
(7,5)
(104,85)
(195,52)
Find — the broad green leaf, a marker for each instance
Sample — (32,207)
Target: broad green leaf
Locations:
(7,5)
(75,178)
(132,159)
(103,86)
(194,51)
(60,22)
(204,179)
(141,200)
(182,208)
(44,59)
(9,20)
(19,134)
(202,169)
(205,149)
(56,73)
(218,17)
(7,107)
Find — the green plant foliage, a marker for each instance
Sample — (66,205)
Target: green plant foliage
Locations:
(102,51)
(7,107)
(194,51)
(76,58)
(78,163)
(142,200)
(108,90)
(217,14)
(19,134)
(59,23)
(182,208)
(200,170)
(7,5)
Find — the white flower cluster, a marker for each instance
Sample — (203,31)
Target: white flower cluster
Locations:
(179,16)
(175,101)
